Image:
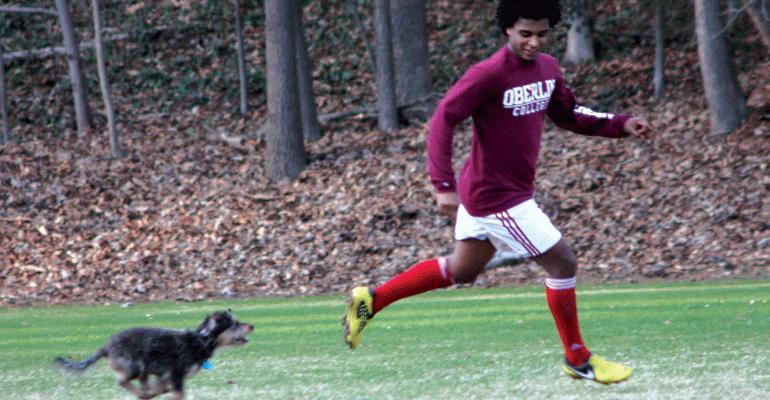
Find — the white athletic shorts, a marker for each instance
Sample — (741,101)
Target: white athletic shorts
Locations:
(524,228)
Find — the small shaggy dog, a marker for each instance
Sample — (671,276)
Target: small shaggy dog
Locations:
(170,355)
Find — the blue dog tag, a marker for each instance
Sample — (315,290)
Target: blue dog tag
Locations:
(207,366)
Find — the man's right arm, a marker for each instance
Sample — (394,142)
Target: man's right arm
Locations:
(448,203)
(456,106)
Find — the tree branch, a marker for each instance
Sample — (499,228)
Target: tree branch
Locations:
(354,9)
(28,10)
(49,51)
(635,35)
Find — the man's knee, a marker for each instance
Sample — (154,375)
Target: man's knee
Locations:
(469,258)
(464,272)
(464,276)
(568,267)
(559,261)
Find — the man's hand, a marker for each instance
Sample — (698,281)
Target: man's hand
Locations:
(638,127)
(448,204)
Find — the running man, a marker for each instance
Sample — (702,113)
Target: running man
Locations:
(508,97)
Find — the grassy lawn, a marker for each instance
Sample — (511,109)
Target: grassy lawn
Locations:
(685,341)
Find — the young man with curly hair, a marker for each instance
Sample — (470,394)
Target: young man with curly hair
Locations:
(508,97)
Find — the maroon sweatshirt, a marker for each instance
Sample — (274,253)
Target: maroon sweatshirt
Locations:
(508,99)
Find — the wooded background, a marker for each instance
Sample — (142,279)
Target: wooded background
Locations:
(193,208)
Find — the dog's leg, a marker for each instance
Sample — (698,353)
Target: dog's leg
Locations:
(177,385)
(160,386)
(129,371)
(151,389)
(126,383)
(143,384)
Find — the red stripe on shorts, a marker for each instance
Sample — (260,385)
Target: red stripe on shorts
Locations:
(513,228)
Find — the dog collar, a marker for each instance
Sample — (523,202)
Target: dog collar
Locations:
(206,365)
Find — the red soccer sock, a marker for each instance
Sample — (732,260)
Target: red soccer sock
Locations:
(563,304)
(423,277)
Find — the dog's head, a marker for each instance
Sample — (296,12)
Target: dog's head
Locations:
(222,329)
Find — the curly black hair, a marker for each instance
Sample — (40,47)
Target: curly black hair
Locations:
(509,11)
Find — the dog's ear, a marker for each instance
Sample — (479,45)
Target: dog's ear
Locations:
(208,326)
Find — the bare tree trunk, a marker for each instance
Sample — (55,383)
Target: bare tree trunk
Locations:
(311,128)
(82,117)
(103,83)
(660,53)
(580,41)
(410,50)
(5,135)
(241,60)
(759,11)
(727,105)
(286,156)
(386,85)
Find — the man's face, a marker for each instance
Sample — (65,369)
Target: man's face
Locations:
(527,37)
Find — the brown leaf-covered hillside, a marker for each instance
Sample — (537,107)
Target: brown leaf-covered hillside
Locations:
(189,215)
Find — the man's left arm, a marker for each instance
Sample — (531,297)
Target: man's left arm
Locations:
(564,111)
(639,128)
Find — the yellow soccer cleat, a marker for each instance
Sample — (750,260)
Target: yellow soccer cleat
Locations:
(599,370)
(359,314)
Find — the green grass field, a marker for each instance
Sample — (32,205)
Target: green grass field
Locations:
(685,341)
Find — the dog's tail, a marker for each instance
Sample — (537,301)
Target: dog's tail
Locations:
(77,367)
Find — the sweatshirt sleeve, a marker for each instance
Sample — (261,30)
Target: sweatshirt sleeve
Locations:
(564,111)
(457,105)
